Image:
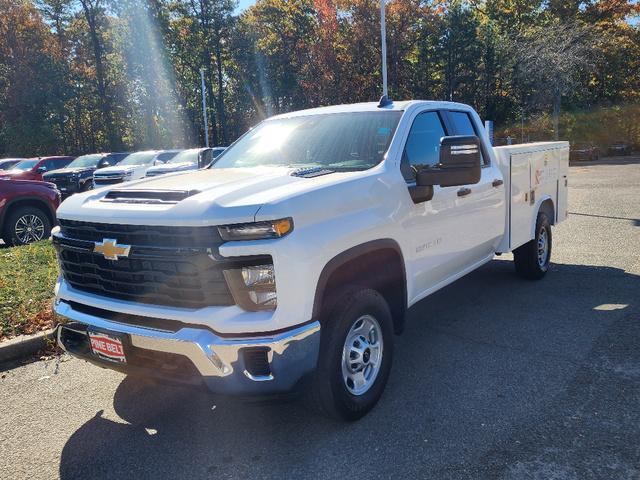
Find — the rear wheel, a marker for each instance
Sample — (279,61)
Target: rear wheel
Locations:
(356,351)
(26,225)
(533,258)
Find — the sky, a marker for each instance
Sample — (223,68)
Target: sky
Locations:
(242,4)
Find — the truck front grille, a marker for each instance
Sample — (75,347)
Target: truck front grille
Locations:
(99,181)
(143,235)
(59,181)
(172,266)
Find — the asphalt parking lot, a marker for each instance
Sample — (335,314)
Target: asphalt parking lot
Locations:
(495,377)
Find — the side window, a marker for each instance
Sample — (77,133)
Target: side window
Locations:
(163,157)
(113,159)
(462,125)
(423,144)
(52,164)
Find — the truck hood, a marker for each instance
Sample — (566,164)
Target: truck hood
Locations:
(67,171)
(28,182)
(172,167)
(15,173)
(215,197)
(118,169)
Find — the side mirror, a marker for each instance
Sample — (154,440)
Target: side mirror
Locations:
(205,158)
(41,169)
(459,163)
(103,163)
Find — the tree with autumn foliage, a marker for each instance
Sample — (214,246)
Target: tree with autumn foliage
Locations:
(78,76)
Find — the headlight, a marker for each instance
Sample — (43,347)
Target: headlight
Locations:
(253,287)
(257,230)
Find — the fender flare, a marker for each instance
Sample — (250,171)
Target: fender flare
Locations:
(350,254)
(31,198)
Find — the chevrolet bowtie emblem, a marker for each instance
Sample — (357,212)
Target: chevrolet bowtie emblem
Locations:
(110,249)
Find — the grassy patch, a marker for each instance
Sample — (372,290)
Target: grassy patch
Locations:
(27,277)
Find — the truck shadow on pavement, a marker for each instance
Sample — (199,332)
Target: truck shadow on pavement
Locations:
(493,377)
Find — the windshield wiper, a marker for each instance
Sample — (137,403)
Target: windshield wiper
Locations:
(311,172)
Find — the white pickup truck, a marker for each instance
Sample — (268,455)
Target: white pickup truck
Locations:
(292,261)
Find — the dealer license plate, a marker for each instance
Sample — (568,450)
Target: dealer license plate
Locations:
(107,347)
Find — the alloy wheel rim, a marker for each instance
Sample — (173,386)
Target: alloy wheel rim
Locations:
(362,355)
(29,228)
(543,247)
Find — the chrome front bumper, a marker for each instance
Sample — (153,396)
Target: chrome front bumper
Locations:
(219,361)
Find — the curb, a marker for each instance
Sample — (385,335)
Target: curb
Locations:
(24,345)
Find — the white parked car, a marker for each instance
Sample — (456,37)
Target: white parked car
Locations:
(132,167)
(298,255)
(191,159)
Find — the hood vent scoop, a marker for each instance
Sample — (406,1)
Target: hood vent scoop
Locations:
(148,196)
(311,172)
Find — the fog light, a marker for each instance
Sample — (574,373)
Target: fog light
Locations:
(253,287)
(258,275)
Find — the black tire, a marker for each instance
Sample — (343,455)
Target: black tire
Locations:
(86,186)
(329,391)
(11,232)
(526,258)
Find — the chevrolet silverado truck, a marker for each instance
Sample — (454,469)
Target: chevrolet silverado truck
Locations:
(191,159)
(78,175)
(291,262)
(132,167)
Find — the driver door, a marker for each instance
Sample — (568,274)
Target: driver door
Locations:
(439,230)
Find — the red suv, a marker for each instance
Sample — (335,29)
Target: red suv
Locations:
(27,210)
(33,168)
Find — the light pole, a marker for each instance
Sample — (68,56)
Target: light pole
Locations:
(383,35)
(204,109)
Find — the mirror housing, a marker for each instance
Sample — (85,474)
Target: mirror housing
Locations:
(103,163)
(459,163)
(41,169)
(204,158)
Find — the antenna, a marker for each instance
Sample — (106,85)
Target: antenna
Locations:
(384,100)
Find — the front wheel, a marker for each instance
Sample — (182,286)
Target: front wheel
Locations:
(533,258)
(25,225)
(356,351)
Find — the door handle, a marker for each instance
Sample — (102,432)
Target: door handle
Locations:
(497,182)
(463,192)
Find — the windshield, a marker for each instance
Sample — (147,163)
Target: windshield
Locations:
(138,158)
(26,165)
(190,156)
(7,164)
(339,141)
(85,161)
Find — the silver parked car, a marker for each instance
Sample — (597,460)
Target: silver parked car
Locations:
(191,159)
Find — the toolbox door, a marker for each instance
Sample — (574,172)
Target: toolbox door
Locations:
(520,205)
